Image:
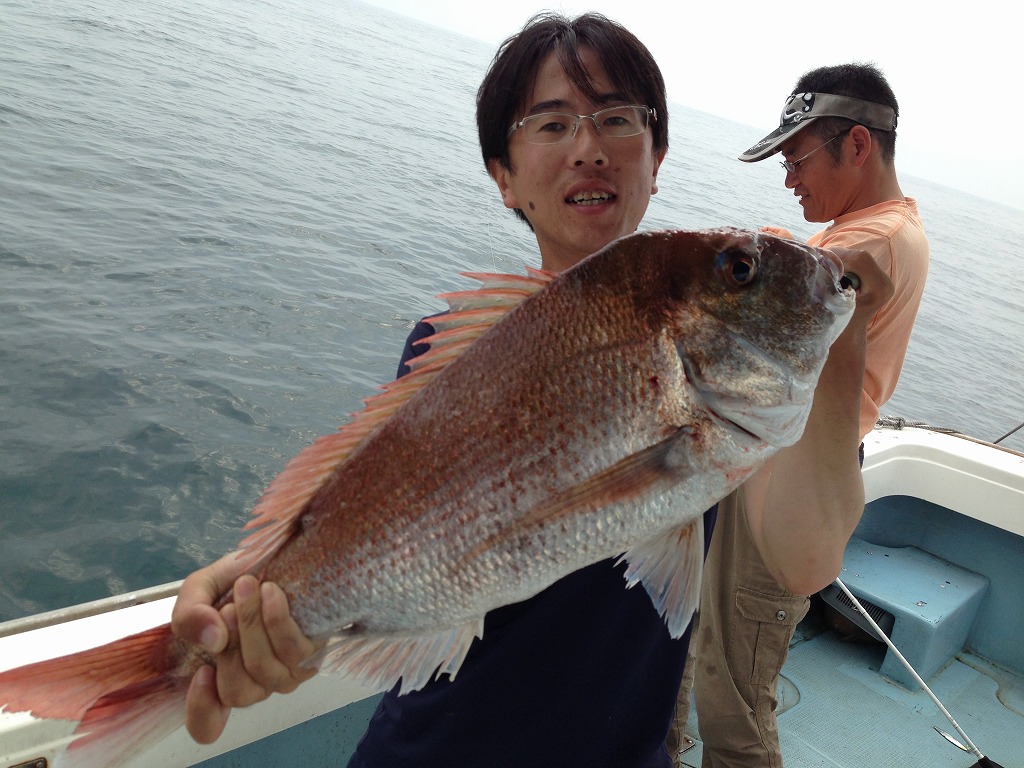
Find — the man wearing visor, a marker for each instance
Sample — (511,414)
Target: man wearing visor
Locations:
(837,138)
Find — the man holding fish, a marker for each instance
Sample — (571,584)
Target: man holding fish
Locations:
(837,134)
(573,128)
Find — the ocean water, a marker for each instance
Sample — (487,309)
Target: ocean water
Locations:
(219,220)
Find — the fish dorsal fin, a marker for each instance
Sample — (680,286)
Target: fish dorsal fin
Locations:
(472,313)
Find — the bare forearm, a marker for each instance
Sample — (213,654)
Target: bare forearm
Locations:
(814,496)
(804,505)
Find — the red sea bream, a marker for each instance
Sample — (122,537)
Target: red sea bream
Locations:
(556,420)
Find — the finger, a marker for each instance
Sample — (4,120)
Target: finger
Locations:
(865,276)
(205,716)
(777,231)
(193,617)
(290,645)
(201,625)
(848,256)
(875,287)
(235,686)
(258,654)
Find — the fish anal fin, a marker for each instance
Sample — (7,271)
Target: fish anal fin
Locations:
(670,567)
(381,660)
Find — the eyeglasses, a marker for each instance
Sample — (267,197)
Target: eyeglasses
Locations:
(792,166)
(556,127)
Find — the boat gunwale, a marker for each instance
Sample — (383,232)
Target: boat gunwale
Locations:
(91,608)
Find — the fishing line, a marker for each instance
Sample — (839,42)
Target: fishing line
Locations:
(490,248)
(982,760)
(996,442)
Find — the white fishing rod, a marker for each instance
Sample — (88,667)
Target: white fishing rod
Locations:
(982,760)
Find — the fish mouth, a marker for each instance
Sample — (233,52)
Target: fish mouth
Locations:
(829,290)
(830,264)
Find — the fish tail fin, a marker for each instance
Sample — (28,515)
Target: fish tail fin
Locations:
(125,695)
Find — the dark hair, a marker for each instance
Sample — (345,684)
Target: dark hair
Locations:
(861,81)
(628,63)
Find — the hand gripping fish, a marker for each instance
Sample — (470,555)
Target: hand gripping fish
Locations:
(555,421)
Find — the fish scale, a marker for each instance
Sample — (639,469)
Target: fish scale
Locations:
(527,477)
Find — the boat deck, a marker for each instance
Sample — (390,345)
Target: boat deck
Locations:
(838,712)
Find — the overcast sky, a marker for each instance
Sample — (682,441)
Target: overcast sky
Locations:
(955,67)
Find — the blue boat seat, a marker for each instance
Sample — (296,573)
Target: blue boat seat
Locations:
(925,605)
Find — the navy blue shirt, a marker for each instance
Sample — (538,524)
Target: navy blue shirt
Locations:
(582,674)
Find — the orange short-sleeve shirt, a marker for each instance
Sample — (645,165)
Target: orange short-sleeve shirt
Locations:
(893,233)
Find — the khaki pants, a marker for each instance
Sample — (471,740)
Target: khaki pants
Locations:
(677,738)
(738,647)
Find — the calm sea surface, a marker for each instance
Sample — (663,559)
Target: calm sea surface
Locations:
(220,219)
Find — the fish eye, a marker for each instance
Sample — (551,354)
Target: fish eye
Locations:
(738,267)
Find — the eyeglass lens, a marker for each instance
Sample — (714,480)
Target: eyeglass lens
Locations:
(554,127)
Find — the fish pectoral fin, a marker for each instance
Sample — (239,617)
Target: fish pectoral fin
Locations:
(657,467)
(670,568)
(380,661)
